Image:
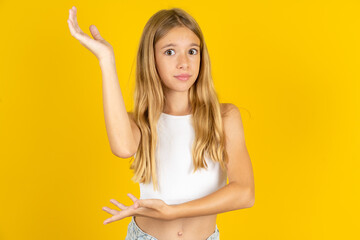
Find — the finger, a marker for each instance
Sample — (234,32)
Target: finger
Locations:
(111,211)
(119,205)
(71,27)
(119,216)
(73,32)
(72,16)
(95,32)
(75,17)
(112,219)
(71,20)
(133,198)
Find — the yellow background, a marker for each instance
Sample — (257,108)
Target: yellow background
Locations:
(292,67)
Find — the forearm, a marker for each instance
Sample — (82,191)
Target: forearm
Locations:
(116,118)
(230,197)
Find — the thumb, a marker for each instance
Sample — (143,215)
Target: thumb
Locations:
(141,203)
(138,204)
(95,32)
(148,203)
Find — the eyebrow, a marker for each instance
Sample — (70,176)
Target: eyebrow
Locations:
(174,45)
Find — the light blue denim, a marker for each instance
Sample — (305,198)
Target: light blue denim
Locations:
(135,233)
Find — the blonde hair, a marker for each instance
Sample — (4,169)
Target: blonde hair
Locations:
(149,100)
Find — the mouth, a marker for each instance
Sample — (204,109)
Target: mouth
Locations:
(183,77)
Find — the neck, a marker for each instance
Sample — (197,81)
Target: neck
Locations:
(177,103)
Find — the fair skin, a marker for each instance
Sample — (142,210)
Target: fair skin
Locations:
(239,193)
(183,58)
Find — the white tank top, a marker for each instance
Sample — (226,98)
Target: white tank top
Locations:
(177,183)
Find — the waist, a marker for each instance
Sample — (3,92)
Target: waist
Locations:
(183,228)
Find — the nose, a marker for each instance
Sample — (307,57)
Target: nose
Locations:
(183,61)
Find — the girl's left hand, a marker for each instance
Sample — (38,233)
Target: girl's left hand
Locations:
(155,208)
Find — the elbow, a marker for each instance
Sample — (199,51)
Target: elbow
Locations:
(251,198)
(122,154)
(246,197)
(122,149)
(251,202)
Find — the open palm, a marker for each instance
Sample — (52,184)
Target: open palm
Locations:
(98,46)
(155,208)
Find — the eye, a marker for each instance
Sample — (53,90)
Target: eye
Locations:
(173,50)
(168,50)
(195,50)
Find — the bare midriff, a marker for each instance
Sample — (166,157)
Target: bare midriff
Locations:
(192,228)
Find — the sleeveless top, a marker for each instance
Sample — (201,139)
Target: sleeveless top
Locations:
(177,182)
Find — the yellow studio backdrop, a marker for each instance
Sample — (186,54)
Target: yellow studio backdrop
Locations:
(292,68)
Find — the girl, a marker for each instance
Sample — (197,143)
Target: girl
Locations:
(184,143)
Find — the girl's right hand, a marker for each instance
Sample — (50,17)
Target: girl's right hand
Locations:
(98,46)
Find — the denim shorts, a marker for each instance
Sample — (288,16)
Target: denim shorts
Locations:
(135,233)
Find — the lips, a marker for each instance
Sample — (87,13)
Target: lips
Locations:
(183,77)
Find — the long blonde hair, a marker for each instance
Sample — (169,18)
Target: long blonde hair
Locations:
(149,100)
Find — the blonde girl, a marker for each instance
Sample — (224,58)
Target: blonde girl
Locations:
(184,144)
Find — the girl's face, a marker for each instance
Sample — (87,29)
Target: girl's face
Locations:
(178,52)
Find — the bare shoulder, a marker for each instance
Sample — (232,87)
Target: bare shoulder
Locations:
(228,110)
(232,120)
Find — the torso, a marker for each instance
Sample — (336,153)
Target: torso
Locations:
(192,228)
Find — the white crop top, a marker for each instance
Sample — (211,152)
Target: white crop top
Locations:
(177,183)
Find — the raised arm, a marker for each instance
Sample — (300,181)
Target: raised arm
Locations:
(119,124)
